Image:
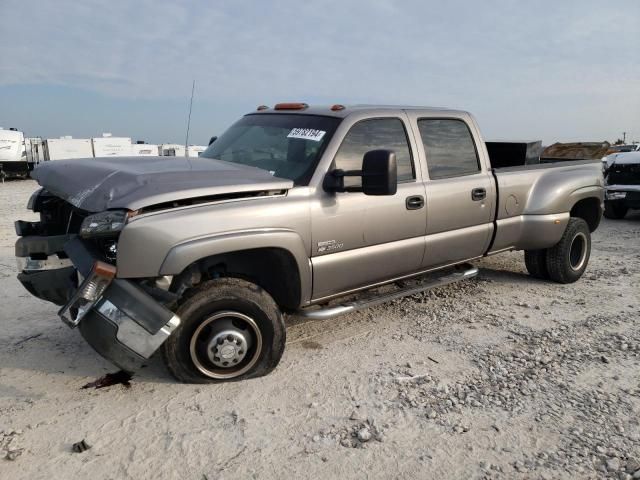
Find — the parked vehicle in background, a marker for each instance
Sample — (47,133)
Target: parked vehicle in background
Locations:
(291,211)
(67,147)
(195,150)
(144,150)
(622,177)
(109,146)
(623,148)
(171,150)
(34,147)
(13,156)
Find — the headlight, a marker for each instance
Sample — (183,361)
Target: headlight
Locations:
(616,195)
(105,224)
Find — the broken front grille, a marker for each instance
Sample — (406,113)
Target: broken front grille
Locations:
(624,175)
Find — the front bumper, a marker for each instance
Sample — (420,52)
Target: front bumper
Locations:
(44,268)
(126,326)
(124,323)
(627,195)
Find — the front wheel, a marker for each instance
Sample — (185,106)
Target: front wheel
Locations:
(614,210)
(567,260)
(230,329)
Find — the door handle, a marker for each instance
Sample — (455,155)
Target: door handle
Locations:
(478,194)
(415,203)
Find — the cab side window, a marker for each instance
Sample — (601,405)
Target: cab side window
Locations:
(449,148)
(374,134)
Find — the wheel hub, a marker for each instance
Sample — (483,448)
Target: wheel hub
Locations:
(227,348)
(225,345)
(578,251)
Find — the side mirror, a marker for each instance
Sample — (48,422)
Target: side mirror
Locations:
(212,139)
(379,173)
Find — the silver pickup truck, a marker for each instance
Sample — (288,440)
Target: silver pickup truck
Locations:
(293,210)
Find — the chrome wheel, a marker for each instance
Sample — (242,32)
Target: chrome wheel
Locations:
(578,251)
(225,345)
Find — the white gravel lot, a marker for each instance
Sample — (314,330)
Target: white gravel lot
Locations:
(503,376)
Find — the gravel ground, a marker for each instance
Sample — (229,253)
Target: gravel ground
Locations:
(502,376)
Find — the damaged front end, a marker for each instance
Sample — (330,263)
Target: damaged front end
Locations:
(69,258)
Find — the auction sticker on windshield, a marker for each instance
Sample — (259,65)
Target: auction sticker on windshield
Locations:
(306,134)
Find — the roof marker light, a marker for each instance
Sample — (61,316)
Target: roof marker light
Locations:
(337,107)
(262,107)
(291,106)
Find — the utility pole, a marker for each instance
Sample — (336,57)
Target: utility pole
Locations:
(624,137)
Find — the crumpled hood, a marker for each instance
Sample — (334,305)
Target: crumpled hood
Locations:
(97,184)
(624,158)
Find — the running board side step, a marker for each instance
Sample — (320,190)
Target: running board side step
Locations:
(467,271)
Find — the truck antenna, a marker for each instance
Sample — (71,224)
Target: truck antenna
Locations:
(186,140)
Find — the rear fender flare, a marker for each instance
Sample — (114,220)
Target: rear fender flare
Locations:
(558,198)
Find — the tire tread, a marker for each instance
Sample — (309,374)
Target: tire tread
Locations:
(614,211)
(558,256)
(536,263)
(219,290)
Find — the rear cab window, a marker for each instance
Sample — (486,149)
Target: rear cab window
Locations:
(449,148)
(387,133)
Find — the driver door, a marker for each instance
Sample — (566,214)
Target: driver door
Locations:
(359,240)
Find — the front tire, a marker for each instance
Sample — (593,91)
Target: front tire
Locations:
(230,330)
(614,210)
(567,260)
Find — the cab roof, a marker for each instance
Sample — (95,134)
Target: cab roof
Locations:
(346,110)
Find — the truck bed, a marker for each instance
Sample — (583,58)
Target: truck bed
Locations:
(541,166)
(528,217)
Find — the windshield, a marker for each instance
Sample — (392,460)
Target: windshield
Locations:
(286,145)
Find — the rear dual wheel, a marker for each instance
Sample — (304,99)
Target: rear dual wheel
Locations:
(536,263)
(567,260)
(230,330)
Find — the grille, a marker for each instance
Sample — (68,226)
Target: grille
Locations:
(58,217)
(624,175)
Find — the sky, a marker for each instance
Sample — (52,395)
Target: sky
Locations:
(552,70)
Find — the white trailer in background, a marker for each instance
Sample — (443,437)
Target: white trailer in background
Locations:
(144,150)
(34,147)
(67,147)
(13,156)
(108,146)
(195,150)
(171,150)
